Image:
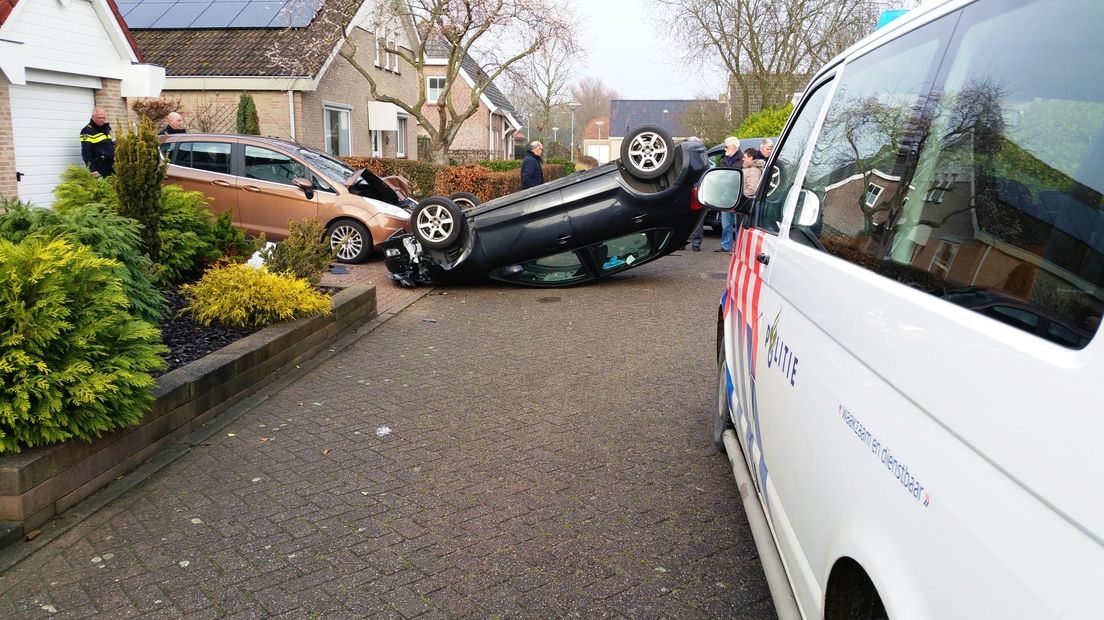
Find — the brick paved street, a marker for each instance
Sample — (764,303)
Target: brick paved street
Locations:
(549,455)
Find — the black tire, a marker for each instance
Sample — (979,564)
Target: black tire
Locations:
(722,419)
(648,152)
(350,240)
(437,222)
(464,200)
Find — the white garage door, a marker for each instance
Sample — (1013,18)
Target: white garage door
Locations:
(46,123)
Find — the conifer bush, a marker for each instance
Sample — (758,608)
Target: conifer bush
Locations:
(74,363)
(107,233)
(248,122)
(242,296)
(78,188)
(304,254)
(139,171)
(188,240)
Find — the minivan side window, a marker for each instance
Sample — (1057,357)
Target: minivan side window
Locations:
(780,180)
(210,156)
(268,165)
(993,182)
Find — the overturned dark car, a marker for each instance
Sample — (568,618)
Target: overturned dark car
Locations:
(584,226)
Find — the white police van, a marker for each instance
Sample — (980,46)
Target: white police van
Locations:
(909,382)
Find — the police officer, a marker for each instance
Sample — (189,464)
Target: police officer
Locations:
(97,145)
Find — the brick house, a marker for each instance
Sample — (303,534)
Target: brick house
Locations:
(285,55)
(490,132)
(58,60)
(626,114)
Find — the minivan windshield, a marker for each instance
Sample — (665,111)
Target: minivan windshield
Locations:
(333,168)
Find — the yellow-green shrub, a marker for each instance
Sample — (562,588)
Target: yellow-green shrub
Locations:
(74,363)
(304,254)
(241,296)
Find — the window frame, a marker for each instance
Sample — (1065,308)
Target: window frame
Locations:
(430,89)
(327,131)
(400,136)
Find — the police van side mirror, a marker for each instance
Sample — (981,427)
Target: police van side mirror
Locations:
(721,188)
(808,209)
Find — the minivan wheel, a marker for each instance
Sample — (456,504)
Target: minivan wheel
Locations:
(350,241)
(648,152)
(722,418)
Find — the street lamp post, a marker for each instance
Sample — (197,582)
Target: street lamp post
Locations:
(573,105)
(599,124)
(554,132)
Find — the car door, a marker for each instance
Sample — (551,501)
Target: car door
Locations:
(600,209)
(530,228)
(205,166)
(267,198)
(750,307)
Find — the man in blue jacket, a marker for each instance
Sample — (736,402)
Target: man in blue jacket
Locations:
(531,173)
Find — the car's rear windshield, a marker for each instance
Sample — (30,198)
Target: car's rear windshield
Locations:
(335,169)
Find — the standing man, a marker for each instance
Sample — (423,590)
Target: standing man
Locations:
(97,145)
(531,173)
(765,148)
(175,124)
(733,158)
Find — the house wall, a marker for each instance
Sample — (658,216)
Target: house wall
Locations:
(8,187)
(108,98)
(68,37)
(343,84)
(473,133)
(216,111)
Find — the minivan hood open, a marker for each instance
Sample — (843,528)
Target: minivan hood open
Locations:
(391,190)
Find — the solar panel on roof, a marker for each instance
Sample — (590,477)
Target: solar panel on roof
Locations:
(144,14)
(219,15)
(173,14)
(181,14)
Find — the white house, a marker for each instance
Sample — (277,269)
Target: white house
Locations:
(58,60)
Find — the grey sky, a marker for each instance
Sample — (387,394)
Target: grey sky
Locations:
(632,52)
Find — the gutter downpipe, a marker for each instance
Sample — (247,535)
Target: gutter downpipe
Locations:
(291,112)
(785,605)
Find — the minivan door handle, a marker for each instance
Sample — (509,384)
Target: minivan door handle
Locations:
(251,188)
(639,218)
(763,257)
(562,239)
(220,183)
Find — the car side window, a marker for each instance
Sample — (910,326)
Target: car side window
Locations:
(624,252)
(268,165)
(779,180)
(985,190)
(209,156)
(559,269)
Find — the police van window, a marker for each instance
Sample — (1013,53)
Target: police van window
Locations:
(993,183)
(779,181)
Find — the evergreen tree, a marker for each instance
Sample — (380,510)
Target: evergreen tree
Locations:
(139,171)
(248,122)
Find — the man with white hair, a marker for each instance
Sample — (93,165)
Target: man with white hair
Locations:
(175,124)
(531,173)
(732,159)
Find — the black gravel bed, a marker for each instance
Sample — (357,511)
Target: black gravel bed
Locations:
(189,341)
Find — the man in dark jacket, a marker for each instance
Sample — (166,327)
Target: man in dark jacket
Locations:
(531,173)
(97,145)
(175,124)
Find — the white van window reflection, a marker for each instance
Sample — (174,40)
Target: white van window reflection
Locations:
(993,179)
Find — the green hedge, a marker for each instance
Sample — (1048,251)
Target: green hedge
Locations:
(74,363)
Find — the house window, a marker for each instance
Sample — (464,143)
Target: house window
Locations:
(400,146)
(435,86)
(336,117)
(381,53)
(377,143)
(394,58)
(872,193)
(944,257)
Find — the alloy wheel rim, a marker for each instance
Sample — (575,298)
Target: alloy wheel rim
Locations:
(435,222)
(347,241)
(647,151)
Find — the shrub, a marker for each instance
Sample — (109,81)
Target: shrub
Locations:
(187,235)
(231,241)
(241,296)
(485,184)
(108,234)
(765,123)
(155,109)
(304,254)
(139,171)
(501,165)
(248,122)
(73,362)
(79,188)
(566,164)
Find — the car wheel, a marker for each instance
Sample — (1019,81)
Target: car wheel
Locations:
(648,152)
(722,419)
(437,222)
(464,200)
(350,241)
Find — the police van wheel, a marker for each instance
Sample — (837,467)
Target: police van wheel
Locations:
(722,420)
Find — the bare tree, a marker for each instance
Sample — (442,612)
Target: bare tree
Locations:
(708,119)
(496,34)
(768,47)
(541,78)
(595,98)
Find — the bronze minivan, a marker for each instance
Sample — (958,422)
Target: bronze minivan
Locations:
(267,182)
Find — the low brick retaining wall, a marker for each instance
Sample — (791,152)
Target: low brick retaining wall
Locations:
(40,483)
